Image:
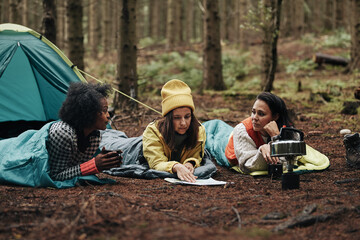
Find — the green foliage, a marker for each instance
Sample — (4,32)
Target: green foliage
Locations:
(234,68)
(249,86)
(186,67)
(340,38)
(300,65)
(145,42)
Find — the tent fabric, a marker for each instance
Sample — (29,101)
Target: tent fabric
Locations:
(218,132)
(135,165)
(34,75)
(24,161)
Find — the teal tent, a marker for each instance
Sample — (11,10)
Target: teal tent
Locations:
(34,78)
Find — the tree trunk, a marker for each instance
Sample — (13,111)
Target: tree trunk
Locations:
(94,27)
(25,13)
(74,13)
(5,5)
(126,68)
(298,19)
(243,34)
(223,15)
(329,24)
(199,22)
(287,18)
(275,29)
(154,19)
(114,27)
(171,25)
(49,20)
(61,33)
(106,26)
(355,35)
(180,19)
(164,11)
(14,16)
(189,20)
(212,68)
(141,19)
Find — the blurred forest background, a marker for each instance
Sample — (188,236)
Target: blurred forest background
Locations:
(307,47)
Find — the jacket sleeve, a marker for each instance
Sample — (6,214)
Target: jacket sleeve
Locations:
(195,155)
(154,151)
(60,148)
(248,155)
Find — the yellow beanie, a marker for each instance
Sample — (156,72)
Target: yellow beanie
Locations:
(175,93)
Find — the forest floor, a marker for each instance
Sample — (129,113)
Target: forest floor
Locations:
(246,208)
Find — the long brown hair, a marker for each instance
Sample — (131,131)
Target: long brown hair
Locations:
(166,128)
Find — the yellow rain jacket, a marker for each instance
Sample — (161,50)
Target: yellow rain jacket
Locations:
(157,153)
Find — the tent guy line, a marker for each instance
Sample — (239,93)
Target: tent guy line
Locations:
(116,90)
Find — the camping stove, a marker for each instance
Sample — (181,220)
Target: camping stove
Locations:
(289,144)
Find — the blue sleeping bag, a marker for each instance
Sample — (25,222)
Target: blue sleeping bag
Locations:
(24,161)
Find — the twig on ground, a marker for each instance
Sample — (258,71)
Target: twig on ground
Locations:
(304,220)
(238,216)
(349,180)
(185,219)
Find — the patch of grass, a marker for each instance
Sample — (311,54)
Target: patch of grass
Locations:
(299,65)
(235,67)
(186,67)
(254,233)
(340,38)
(251,85)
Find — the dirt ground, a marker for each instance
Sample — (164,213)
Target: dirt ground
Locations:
(327,205)
(246,208)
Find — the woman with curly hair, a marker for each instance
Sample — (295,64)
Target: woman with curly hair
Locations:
(73,141)
(175,143)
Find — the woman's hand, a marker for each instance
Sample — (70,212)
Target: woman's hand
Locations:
(184,173)
(272,129)
(106,160)
(189,166)
(265,151)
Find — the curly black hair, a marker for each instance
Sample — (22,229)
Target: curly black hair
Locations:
(82,104)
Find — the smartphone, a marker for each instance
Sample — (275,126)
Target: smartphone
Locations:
(107,151)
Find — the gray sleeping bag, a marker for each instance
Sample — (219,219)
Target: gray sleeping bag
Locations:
(135,165)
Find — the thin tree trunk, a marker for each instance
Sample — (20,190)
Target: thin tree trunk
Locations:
(298,19)
(189,20)
(154,19)
(243,34)
(74,12)
(164,11)
(25,13)
(171,25)
(180,21)
(49,20)
(329,20)
(355,35)
(5,4)
(141,19)
(276,14)
(106,26)
(212,68)
(126,68)
(94,27)
(61,34)
(14,12)
(199,21)
(114,27)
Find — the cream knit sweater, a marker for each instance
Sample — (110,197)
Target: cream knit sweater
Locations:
(248,155)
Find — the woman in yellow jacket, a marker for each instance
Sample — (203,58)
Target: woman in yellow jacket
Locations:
(176,142)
